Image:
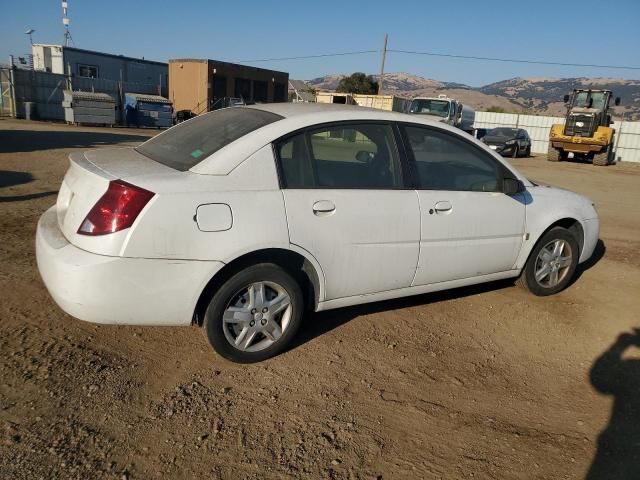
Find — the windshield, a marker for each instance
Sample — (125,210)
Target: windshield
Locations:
(187,144)
(430,107)
(584,100)
(503,132)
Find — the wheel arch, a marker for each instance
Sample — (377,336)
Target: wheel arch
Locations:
(303,269)
(573,225)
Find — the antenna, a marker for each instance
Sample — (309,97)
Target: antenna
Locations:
(66,22)
(30,33)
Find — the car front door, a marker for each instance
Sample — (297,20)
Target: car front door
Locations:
(347,206)
(469,227)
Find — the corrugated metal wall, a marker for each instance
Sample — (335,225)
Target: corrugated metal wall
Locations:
(45,90)
(627,142)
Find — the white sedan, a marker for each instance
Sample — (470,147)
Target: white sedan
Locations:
(241,219)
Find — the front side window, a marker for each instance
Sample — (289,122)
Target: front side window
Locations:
(446,162)
(188,143)
(341,156)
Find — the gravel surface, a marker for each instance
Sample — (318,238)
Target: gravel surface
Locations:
(487,382)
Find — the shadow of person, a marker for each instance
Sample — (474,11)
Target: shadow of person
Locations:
(618,454)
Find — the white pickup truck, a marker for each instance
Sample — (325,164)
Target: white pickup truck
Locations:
(450,111)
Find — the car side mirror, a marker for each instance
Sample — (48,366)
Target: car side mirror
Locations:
(616,102)
(364,156)
(511,186)
(566,99)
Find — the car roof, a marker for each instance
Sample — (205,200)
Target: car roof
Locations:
(296,116)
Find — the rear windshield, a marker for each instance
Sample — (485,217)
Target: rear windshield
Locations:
(187,144)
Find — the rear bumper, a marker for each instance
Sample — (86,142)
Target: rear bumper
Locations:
(117,290)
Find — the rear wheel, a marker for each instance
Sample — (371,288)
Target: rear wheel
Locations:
(255,314)
(602,159)
(554,155)
(552,263)
(527,152)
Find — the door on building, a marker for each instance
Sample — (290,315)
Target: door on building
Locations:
(279,92)
(260,91)
(243,89)
(219,91)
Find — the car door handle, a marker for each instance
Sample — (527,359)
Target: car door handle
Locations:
(443,207)
(323,207)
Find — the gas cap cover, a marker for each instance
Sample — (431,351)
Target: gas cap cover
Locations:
(214,217)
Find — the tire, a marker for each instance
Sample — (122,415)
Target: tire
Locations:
(527,152)
(554,155)
(602,159)
(544,285)
(516,152)
(231,319)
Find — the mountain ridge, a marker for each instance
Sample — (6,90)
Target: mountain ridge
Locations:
(536,95)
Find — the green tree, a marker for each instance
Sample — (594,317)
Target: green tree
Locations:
(358,83)
(496,109)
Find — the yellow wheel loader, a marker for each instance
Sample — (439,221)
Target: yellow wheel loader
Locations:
(586,132)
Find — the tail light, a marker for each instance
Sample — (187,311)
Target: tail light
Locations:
(116,210)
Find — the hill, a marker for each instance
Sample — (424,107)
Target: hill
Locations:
(516,95)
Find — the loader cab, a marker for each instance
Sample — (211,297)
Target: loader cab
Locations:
(586,111)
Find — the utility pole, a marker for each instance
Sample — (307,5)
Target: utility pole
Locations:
(384,54)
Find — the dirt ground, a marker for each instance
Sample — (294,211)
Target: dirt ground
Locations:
(487,382)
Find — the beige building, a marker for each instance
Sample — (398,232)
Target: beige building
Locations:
(202,85)
(382,102)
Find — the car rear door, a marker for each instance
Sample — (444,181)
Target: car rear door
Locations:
(347,205)
(469,227)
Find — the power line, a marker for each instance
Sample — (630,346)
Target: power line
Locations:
(341,54)
(514,60)
(446,55)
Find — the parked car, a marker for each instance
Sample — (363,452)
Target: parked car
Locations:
(510,142)
(183,115)
(242,219)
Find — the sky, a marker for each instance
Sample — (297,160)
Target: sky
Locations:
(585,32)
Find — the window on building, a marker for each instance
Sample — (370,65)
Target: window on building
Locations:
(87,71)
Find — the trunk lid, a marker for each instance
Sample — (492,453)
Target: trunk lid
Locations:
(87,180)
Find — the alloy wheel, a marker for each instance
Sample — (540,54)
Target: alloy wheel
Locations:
(553,263)
(257,316)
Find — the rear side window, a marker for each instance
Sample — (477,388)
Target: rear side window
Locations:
(187,144)
(341,156)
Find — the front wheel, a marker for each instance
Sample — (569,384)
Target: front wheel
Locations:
(255,314)
(603,158)
(552,263)
(554,155)
(516,152)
